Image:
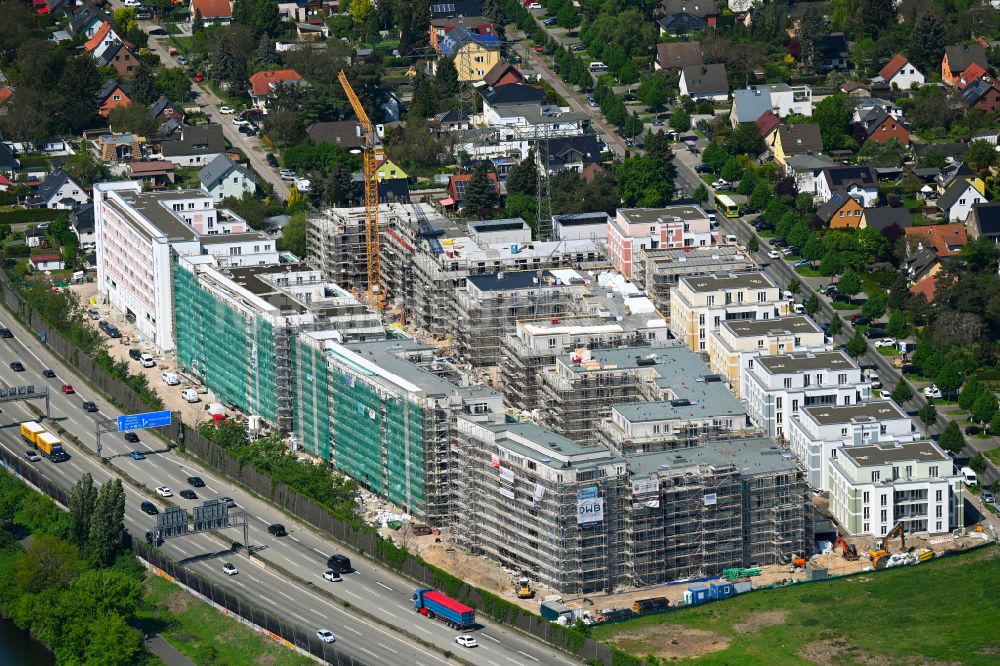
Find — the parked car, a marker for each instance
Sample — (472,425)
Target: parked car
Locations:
(987,497)
(187,493)
(538,48)
(32,456)
(873,333)
(550,20)
(592,103)
(885,342)
(109,329)
(135,354)
(136,455)
(229,569)
(277,529)
(703,168)
(163,491)
(790,250)
(932,391)
(271,160)
(804,263)
(773,254)
(838,297)
(182,60)
(778,241)
(199,77)
(287,174)
(721,184)
(48,373)
(860,320)
(630,98)
(149,508)
(240,122)
(248,130)
(157,32)
(578,48)
(226,110)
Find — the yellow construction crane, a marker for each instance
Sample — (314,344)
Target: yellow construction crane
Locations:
(373,157)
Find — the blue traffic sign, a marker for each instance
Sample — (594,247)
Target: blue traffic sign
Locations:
(146,420)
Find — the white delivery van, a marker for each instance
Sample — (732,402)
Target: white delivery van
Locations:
(147,361)
(598,66)
(170,379)
(731,239)
(969,476)
(190,395)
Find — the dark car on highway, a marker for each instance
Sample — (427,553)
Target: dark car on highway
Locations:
(131,437)
(16,366)
(5,333)
(149,507)
(187,493)
(277,530)
(48,373)
(196,481)
(89,406)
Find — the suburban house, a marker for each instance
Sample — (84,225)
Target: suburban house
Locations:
(474,55)
(263,84)
(390,190)
(163,110)
(508,95)
(86,20)
(9,164)
(197,145)
(121,58)
(841,211)
(81,221)
(767,123)
(503,73)
(834,54)
(343,133)
(788,140)
(957,201)
(574,153)
(958,58)
(900,73)
(118,146)
(59,191)
(46,262)
(111,95)
(946,240)
(973,73)
(100,39)
(477,25)
(158,174)
(807,170)
(751,103)
(705,82)
(452,121)
(677,55)
(458,183)
(885,217)
(211,11)
(984,222)
(683,16)
(223,178)
(389,170)
(859,181)
(880,127)
(982,94)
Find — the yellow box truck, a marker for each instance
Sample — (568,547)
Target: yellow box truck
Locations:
(44,441)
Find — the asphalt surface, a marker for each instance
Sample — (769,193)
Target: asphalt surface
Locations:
(285,576)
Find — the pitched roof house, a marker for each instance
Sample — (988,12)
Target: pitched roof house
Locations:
(343,133)
(984,222)
(958,58)
(163,110)
(683,16)
(841,211)
(791,140)
(503,73)
(883,217)
(458,182)
(212,11)
(223,178)
(121,58)
(946,240)
(900,73)
(573,153)
(440,10)
(957,201)
(263,84)
(767,123)
(705,82)
(111,95)
(834,54)
(474,55)
(859,181)
(9,163)
(880,127)
(982,94)
(197,145)
(60,191)
(677,55)
(478,25)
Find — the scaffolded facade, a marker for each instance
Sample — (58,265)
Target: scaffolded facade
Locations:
(657,271)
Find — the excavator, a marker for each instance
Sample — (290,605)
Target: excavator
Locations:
(880,554)
(848,550)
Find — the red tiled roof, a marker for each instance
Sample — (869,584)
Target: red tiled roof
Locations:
(211,9)
(767,122)
(98,37)
(893,67)
(942,237)
(972,73)
(260,83)
(46,257)
(5,93)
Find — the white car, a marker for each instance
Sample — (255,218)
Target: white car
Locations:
(720,184)
(466,641)
(287,174)
(132,3)
(773,254)
(302,184)
(885,342)
(332,576)
(229,569)
(932,391)
(163,491)
(240,122)
(325,635)
(226,109)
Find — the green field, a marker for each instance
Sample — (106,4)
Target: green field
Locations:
(944,611)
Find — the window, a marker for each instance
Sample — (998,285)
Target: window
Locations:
(778,402)
(866,497)
(739,297)
(711,301)
(885,500)
(937,496)
(118,98)
(795,405)
(875,477)
(867,513)
(939,526)
(701,320)
(937,511)
(866,527)
(788,382)
(842,213)
(552,343)
(843,432)
(909,471)
(895,472)
(842,378)
(805,380)
(847,399)
(762,297)
(235,251)
(883,429)
(884,516)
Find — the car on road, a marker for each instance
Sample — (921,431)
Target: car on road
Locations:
(592,103)
(838,297)
(657,123)
(229,569)
(196,481)
(32,456)
(135,354)
(136,455)
(332,576)
(48,373)
(987,497)
(226,110)
(68,389)
(240,122)
(287,174)
(466,641)
(228,501)
(187,493)
(538,48)
(932,391)
(773,254)
(131,437)
(325,635)
(157,32)
(248,129)
(109,329)
(885,342)
(277,529)
(132,3)
(163,491)
(271,160)
(721,184)
(89,406)
(16,366)
(873,333)
(6,333)
(829,290)
(149,508)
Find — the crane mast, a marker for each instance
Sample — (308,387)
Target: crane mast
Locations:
(373,155)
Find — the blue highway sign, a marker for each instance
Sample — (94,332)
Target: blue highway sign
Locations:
(146,420)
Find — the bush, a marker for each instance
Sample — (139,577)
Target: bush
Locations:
(21,215)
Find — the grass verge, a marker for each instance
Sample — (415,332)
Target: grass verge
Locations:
(833,622)
(994,455)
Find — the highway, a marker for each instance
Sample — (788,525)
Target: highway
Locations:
(286,575)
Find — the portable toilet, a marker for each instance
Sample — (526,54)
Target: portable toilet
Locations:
(696,594)
(721,590)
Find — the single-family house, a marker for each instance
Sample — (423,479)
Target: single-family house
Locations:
(458,182)
(112,95)
(949,173)
(678,55)
(211,11)
(900,73)
(86,20)
(920,262)
(118,147)
(477,25)
(389,170)
(121,58)
(455,8)
(834,54)
(343,133)
(503,73)
(46,262)
(81,222)
(781,98)
(9,164)
(958,58)
(946,240)
(705,82)
(957,201)
(474,55)
(880,127)
(263,85)
(973,73)
(790,140)
(884,218)
(196,145)
(223,178)
(680,17)
(60,191)
(573,153)
(158,174)
(984,222)
(390,190)
(511,94)
(953,152)
(163,110)
(841,211)
(452,121)
(807,170)
(101,39)
(982,94)
(859,181)
(767,123)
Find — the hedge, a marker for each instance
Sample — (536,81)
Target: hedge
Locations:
(20,215)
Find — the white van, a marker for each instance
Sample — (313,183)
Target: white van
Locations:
(598,66)
(731,239)
(170,379)
(969,476)
(190,395)
(147,361)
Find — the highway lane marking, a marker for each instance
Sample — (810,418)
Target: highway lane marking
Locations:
(387,611)
(356,596)
(388,648)
(384,585)
(212,489)
(317,612)
(423,629)
(322,554)
(262,520)
(493,663)
(253,579)
(512,660)
(293,538)
(368,651)
(527,655)
(284,595)
(236,582)
(297,615)
(75,466)
(350,628)
(489,637)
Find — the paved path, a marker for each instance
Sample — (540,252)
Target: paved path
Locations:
(167,652)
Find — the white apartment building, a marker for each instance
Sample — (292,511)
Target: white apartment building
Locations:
(699,304)
(818,432)
(736,343)
(872,488)
(514,128)
(776,388)
(137,235)
(652,228)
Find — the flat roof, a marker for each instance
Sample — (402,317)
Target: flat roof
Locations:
(548,441)
(787,363)
(169,224)
(875,410)
(887,453)
(706,283)
(748,328)
(696,400)
(753,456)
(648,215)
(581,219)
(219,239)
(513,280)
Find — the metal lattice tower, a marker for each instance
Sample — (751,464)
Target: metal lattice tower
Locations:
(543,198)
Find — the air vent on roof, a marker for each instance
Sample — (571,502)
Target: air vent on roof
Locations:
(680,402)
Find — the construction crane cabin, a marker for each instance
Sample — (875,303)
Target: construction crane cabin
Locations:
(373,156)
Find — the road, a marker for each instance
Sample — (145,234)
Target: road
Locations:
(285,577)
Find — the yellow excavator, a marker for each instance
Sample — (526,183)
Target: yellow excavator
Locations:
(880,554)
(523,589)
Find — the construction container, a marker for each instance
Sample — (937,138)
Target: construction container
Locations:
(696,594)
(718,591)
(553,610)
(742,585)
(817,573)
(641,606)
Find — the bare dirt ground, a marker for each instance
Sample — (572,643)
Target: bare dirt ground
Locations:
(670,641)
(757,621)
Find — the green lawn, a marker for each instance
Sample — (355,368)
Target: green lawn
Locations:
(943,611)
(204,634)
(806,271)
(837,305)
(994,455)
(888,351)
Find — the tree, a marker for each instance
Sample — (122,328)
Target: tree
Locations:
(875,17)
(653,91)
(745,140)
(714,155)
(833,115)
(984,407)
(760,196)
(902,393)
(980,155)
(813,30)
(111,641)
(523,176)
(658,145)
(480,195)
(77,93)
(978,463)
(811,305)
(794,286)
(731,170)
(980,255)
(293,235)
(645,181)
(107,523)
(928,414)
(266,55)
(446,77)
(927,41)
(47,562)
(24,118)
(175,83)
(524,206)
(849,283)
(857,345)
(836,326)
(359,10)
(753,246)
(425,97)
(874,307)
(701,193)
(85,169)
(680,120)
(951,439)
(873,243)
(133,118)
(898,326)
(969,393)
(948,378)
(995,424)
